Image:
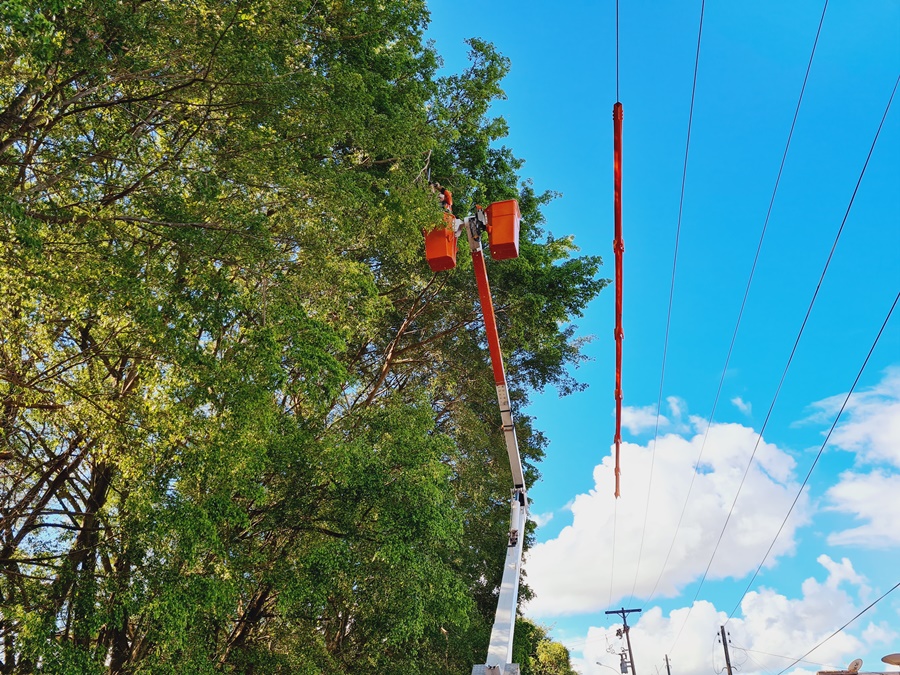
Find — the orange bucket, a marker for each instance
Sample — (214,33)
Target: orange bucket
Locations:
(440,249)
(503,229)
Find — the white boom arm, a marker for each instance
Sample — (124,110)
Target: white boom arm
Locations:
(499,658)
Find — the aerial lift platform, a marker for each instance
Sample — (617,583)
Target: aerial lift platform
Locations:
(501,221)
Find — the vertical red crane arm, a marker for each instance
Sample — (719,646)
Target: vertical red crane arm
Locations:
(490,327)
(619,250)
(500,647)
(490,320)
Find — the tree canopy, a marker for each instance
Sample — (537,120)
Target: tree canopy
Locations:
(245,428)
(536,653)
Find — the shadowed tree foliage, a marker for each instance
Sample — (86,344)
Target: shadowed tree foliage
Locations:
(244,428)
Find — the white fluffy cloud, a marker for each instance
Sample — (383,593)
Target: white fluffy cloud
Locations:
(871,498)
(639,420)
(585,569)
(870,427)
(643,419)
(742,405)
(571,573)
(541,519)
(677,406)
(769,627)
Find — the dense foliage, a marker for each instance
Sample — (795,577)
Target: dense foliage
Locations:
(244,427)
(536,653)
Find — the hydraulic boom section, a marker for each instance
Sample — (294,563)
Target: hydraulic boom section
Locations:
(501,645)
(501,221)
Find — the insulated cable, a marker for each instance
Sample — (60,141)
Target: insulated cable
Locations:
(617,50)
(612,565)
(662,375)
(894,588)
(619,251)
(818,455)
(790,359)
(823,666)
(743,303)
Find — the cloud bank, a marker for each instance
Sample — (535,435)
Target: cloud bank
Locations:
(611,551)
(769,627)
(571,573)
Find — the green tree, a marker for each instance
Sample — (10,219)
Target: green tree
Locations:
(536,653)
(244,428)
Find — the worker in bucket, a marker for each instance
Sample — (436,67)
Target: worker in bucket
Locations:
(445,196)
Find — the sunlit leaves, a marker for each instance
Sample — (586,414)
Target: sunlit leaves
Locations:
(244,426)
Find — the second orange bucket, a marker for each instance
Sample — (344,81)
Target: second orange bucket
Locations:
(503,229)
(440,249)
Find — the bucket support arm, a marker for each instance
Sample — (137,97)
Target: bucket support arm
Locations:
(500,648)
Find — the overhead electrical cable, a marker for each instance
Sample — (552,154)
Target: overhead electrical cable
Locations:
(618,250)
(891,590)
(824,666)
(612,565)
(617,50)
(743,304)
(818,455)
(662,376)
(578,643)
(787,366)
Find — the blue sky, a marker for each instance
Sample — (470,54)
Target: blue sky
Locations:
(840,550)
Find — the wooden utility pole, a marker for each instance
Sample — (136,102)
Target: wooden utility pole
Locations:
(727,656)
(668,669)
(624,614)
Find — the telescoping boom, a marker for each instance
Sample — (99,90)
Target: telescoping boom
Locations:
(501,221)
(499,659)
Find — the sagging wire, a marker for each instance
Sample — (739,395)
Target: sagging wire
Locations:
(818,455)
(743,304)
(787,366)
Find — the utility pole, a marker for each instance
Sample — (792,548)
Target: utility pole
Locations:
(624,614)
(725,645)
(668,669)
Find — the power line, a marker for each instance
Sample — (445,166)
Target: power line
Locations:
(619,251)
(617,206)
(818,455)
(617,50)
(662,375)
(781,656)
(612,565)
(758,666)
(791,356)
(580,643)
(891,590)
(744,300)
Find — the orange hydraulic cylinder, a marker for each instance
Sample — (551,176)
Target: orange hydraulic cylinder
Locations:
(618,250)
